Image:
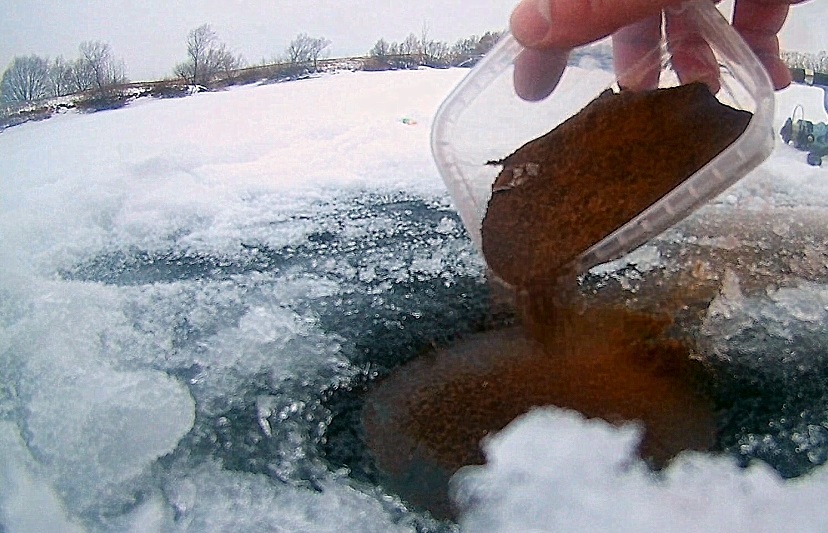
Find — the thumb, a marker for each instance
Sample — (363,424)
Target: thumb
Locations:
(569,23)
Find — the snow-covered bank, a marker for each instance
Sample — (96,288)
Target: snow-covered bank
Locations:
(183,282)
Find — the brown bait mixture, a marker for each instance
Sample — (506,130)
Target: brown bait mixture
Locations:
(565,191)
(555,197)
(427,419)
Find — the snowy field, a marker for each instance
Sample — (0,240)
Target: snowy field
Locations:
(186,284)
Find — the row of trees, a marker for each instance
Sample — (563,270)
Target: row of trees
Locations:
(416,51)
(208,59)
(31,78)
(817,62)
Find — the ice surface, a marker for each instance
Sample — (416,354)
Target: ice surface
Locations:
(184,282)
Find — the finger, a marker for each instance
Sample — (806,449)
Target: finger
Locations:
(690,54)
(635,51)
(537,72)
(565,24)
(758,21)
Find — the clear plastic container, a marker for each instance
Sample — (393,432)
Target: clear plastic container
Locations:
(484,120)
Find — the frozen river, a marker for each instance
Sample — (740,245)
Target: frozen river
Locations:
(191,291)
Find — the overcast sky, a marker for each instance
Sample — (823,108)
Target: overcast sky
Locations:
(149,35)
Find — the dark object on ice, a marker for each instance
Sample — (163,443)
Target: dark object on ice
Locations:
(806,136)
(104,101)
(565,191)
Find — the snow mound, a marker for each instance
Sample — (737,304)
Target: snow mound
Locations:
(552,470)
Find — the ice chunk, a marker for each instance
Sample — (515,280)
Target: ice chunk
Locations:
(781,328)
(112,426)
(645,258)
(210,499)
(28,503)
(93,424)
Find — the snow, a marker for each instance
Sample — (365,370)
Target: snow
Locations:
(183,281)
(567,486)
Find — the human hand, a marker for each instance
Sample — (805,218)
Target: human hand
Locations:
(550,28)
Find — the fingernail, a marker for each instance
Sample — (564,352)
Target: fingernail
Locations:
(531,21)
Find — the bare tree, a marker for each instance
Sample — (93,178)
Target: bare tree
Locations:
(25,80)
(222,60)
(381,50)
(318,50)
(487,41)
(199,42)
(425,44)
(206,57)
(410,45)
(467,51)
(465,47)
(97,64)
(82,76)
(297,50)
(435,53)
(62,77)
(305,49)
(409,50)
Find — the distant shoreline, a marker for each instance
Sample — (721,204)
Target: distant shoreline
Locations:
(120,95)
